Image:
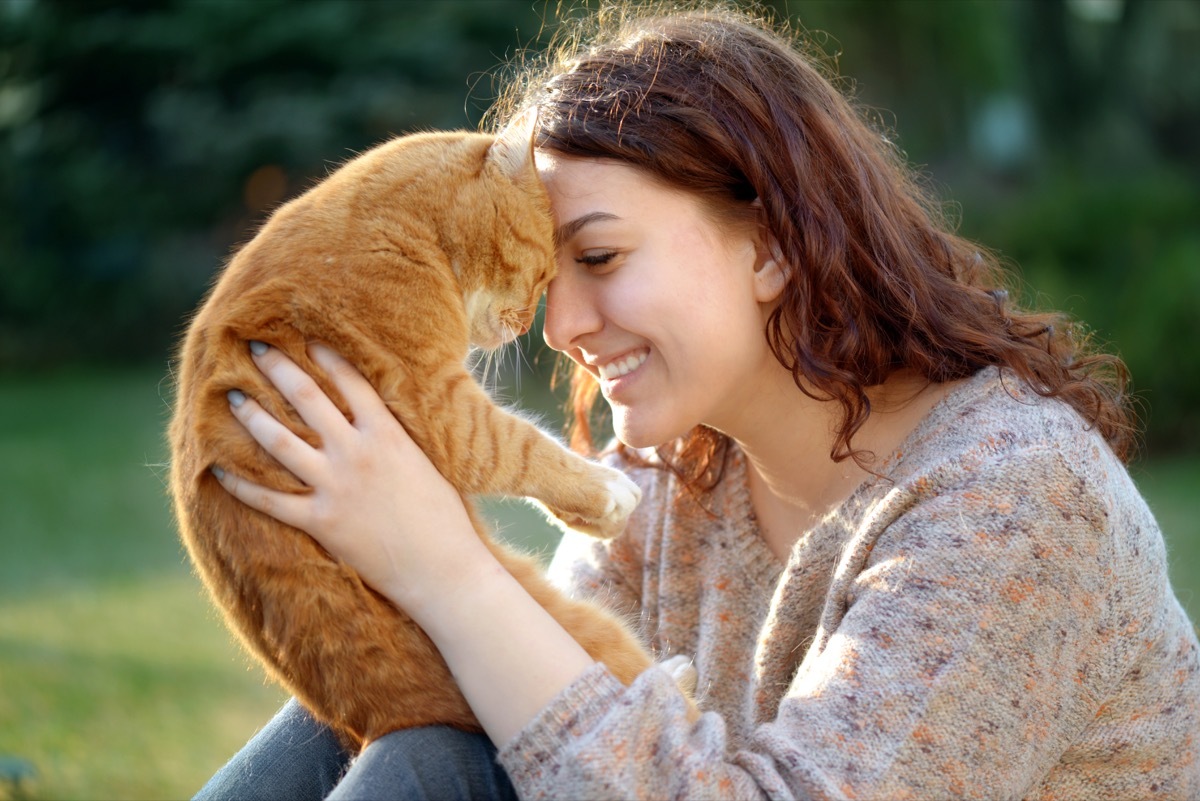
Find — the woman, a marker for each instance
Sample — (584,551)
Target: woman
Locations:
(885,511)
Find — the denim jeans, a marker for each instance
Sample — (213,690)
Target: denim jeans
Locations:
(296,758)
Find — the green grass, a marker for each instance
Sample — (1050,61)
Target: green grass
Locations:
(124,690)
(117,680)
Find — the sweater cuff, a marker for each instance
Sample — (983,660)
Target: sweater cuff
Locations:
(534,752)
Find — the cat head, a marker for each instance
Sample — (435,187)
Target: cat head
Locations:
(515,259)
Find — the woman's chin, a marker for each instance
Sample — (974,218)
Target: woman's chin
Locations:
(638,434)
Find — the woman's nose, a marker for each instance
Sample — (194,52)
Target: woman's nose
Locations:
(570,312)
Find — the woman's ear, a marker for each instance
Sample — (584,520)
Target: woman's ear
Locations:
(770,271)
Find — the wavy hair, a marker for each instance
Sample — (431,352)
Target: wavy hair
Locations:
(720,102)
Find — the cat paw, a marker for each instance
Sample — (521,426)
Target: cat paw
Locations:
(622,497)
(625,496)
(683,671)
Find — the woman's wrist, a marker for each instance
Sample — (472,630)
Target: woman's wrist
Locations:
(506,652)
(444,577)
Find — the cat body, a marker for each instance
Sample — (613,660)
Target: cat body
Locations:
(399,261)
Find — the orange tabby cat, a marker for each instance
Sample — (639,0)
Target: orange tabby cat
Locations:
(400,260)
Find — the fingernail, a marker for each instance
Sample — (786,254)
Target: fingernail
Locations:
(258,348)
(236,397)
(218,472)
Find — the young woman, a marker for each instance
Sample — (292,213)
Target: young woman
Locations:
(885,510)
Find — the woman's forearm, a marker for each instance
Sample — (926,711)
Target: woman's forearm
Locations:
(508,655)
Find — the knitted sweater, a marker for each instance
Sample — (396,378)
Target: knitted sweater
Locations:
(991,620)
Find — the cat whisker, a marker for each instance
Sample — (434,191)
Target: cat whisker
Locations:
(522,364)
(520,357)
(486,370)
(475,359)
(513,368)
(161,471)
(490,370)
(495,359)
(479,364)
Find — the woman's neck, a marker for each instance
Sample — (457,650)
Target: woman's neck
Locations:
(788,438)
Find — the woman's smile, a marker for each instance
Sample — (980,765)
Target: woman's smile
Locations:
(623,365)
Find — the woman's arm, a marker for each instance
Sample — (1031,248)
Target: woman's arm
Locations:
(509,657)
(958,655)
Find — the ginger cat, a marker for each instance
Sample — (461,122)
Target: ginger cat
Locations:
(399,260)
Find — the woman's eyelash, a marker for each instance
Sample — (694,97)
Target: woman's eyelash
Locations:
(596,259)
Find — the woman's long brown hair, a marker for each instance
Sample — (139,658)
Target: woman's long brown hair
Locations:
(720,103)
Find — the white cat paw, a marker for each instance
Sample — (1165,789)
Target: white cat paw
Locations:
(683,671)
(623,498)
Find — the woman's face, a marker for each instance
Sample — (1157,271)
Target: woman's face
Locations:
(665,308)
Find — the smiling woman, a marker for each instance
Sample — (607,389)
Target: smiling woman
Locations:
(885,509)
(664,308)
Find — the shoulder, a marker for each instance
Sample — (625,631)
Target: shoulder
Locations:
(997,464)
(995,456)
(993,420)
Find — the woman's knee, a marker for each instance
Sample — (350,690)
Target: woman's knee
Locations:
(432,762)
(293,756)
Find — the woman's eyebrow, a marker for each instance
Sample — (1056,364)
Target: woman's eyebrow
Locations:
(568,230)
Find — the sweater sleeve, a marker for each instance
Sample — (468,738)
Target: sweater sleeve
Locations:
(965,643)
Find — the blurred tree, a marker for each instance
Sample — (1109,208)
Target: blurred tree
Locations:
(127,128)
(140,140)
(1066,130)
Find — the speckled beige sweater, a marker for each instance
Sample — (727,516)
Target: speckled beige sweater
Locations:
(994,622)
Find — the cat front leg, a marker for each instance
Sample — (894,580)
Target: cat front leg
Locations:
(624,496)
(486,450)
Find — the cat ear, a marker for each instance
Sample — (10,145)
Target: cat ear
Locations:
(512,152)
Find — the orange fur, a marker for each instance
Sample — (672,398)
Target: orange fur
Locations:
(399,261)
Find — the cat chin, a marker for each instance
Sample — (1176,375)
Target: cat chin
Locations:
(490,341)
(489,334)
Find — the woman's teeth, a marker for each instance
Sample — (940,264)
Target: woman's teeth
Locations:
(623,366)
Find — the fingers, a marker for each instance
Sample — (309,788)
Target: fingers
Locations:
(300,458)
(363,399)
(299,388)
(287,508)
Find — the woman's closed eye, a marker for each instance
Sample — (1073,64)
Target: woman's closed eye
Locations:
(596,258)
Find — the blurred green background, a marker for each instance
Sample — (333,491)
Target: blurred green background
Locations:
(141,141)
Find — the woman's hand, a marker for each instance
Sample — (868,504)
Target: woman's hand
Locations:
(381,506)
(377,502)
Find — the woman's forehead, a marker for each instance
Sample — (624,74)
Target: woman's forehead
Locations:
(574,178)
